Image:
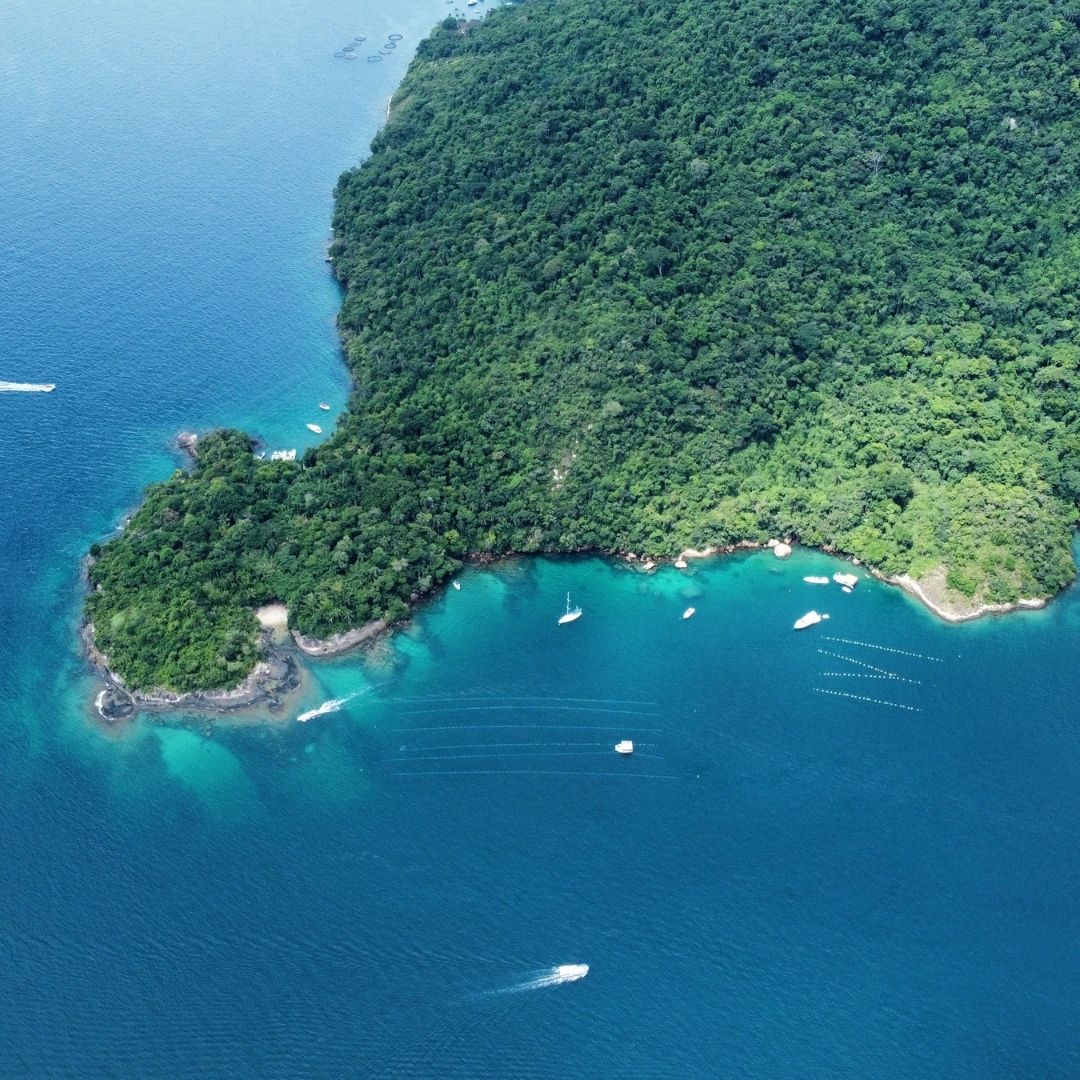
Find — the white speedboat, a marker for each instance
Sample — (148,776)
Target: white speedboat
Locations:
(315,428)
(849,581)
(811,618)
(624,746)
(688,612)
(814,579)
(571,613)
(570,972)
(457,585)
(324,406)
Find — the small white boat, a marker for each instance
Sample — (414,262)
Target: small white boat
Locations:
(571,614)
(847,588)
(688,612)
(847,580)
(324,406)
(27,387)
(570,972)
(457,585)
(813,579)
(315,428)
(624,746)
(811,618)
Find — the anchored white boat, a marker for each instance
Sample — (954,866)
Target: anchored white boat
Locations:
(814,579)
(324,406)
(849,581)
(624,746)
(688,612)
(570,972)
(571,614)
(811,618)
(315,428)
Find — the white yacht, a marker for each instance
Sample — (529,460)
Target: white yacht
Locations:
(624,746)
(324,406)
(315,428)
(570,972)
(849,581)
(814,579)
(811,618)
(688,612)
(571,614)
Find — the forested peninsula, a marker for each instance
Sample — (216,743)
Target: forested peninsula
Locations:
(632,275)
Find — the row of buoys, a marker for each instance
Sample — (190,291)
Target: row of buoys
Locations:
(874,701)
(885,648)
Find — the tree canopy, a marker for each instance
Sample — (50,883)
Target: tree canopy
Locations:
(644,275)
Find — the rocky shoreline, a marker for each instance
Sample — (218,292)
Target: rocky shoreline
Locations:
(339,643)
(270,681)
(950,608)
(278,673)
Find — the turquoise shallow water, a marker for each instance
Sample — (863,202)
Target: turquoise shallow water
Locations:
(780,881)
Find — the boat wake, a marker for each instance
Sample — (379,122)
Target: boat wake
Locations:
(26,388)
(555,976)
(326,707)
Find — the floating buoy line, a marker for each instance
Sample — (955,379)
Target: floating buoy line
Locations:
(873,701)
(885,648)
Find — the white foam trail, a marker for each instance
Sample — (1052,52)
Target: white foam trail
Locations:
(534,772)
(526,727)
(26,388)
(330,706)
(525,708)
(556,976)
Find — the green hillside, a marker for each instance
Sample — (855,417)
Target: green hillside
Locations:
(647,275)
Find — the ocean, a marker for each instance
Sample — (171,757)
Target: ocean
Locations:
(846,852)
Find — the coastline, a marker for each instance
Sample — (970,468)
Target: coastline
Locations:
(278,675)
(953,611)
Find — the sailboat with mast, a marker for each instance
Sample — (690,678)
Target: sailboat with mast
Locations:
(571,613)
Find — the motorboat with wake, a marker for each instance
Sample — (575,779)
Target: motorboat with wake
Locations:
(571,972)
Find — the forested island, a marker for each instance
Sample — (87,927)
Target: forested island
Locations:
(638,276)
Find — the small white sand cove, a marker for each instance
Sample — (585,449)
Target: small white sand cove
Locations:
(273,616)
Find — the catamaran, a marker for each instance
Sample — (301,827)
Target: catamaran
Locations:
(570,615)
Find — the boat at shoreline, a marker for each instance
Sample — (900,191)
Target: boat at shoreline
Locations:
(571,615)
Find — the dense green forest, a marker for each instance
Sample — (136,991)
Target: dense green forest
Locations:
(640,275)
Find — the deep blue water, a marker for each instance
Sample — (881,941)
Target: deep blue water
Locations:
(780,882)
